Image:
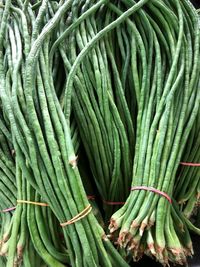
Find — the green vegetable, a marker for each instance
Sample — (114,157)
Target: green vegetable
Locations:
(166,113)
(98,99)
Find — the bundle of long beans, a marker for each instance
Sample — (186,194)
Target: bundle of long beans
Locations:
(42,141)
(99,105)
(8,188)
(98,98)
(187,190)
(14,235)
(168,102)
(187,185)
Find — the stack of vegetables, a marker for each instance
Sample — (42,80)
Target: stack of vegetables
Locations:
(99,132)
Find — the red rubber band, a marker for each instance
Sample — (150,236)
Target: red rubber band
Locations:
(112,203)
(190,164)
(92,197)
(8,209)
(152,189)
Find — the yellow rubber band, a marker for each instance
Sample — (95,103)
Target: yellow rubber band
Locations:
(78,217)
(32,202)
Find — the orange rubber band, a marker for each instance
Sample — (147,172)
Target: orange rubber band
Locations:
(152,189)
(35,203)
(78,217)
(25,202)
(32,202)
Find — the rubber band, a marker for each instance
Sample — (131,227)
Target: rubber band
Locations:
(152,189)
(32,202)
(92,197)
(25,202)
(78,217)
(190,164)
(112,203)
(8,209)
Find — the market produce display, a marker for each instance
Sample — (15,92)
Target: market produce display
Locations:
(99,132)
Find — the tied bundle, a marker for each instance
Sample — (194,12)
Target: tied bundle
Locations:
(167,86)
(99,119)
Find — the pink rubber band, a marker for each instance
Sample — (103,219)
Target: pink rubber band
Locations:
(152,189)
(8,209)
(190,164)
